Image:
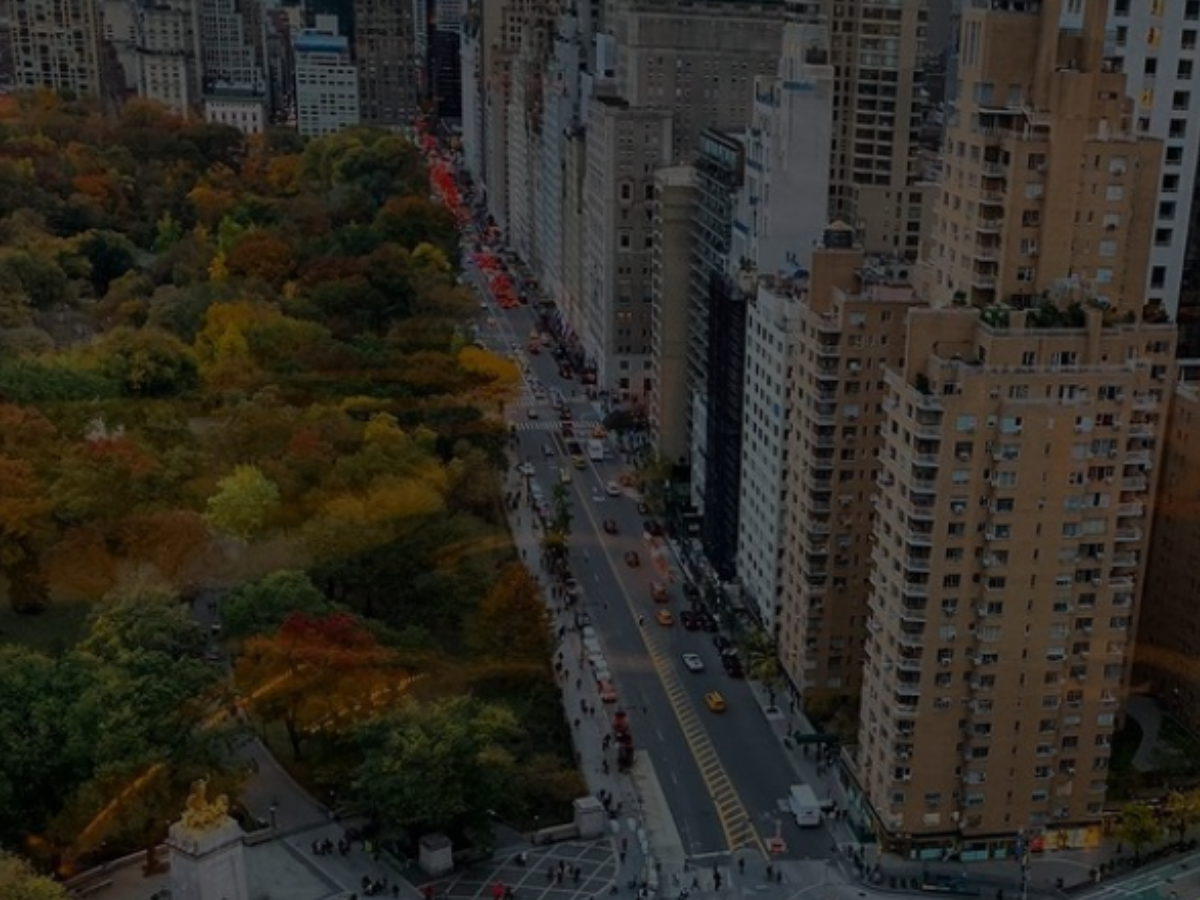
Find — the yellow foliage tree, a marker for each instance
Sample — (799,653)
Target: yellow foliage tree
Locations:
(222,349)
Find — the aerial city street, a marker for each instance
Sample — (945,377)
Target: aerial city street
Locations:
(569,449)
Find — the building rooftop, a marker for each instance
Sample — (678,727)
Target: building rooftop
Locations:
(319,42)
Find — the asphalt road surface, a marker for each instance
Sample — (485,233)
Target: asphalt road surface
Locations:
(724,775)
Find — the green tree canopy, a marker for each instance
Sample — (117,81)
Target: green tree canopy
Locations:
(262,606)
(18,881)
(440,766)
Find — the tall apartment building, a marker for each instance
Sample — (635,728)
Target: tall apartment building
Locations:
(714,395)
(526,131)
(877,185)
(492,34)
(1168,642)
(390,66)
(444,63)
(561,103)
(327,89)
(698,60)
(167,60)
(849,331)
(56,44)
(1047,186)
(233,63)
(1019,452)
(625,144)
(772,312)
(1155,45)
(782,211)
(674,208)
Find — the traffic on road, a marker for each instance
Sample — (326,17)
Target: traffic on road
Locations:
(677,677)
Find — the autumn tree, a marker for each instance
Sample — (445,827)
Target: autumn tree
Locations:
(511,621)
(260,254)
(1182,812)
(243,503)
(314,669)
(146,362)
(441,766)
(1140,827)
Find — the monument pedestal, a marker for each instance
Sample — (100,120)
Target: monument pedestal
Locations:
(590,817)
(436,855)
(208,865)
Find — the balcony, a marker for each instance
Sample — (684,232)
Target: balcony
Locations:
(983,282)
(989,226)
(917,563)
(1131,510)
(930,431)
(1124,535)
(991,198)
(919,538)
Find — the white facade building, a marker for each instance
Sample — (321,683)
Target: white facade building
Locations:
(168,59)
(782,209)
(327,91)
(247,113)
(1155,45)
(771,321)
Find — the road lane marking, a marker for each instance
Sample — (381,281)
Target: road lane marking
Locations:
(736,823)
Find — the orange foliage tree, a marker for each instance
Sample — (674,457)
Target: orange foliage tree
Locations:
(259,254)
(314,672)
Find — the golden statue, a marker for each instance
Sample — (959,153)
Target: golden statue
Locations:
(200,815)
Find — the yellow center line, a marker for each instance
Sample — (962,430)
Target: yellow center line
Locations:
(731,812)
(736,823)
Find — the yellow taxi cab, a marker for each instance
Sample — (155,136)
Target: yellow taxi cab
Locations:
(664,617)
(579,462)
(714,701)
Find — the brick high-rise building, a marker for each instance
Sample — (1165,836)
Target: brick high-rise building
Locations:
(1046,186)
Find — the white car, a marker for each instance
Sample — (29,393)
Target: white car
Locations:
(612,489)
(531,412)
(525,469)
(693,662)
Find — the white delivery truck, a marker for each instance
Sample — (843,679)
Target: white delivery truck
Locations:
(595,448)
(804,805)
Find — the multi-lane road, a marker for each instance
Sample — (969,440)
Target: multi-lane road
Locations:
(725,775)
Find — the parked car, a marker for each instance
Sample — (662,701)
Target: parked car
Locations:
(721,642)
(689,620)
